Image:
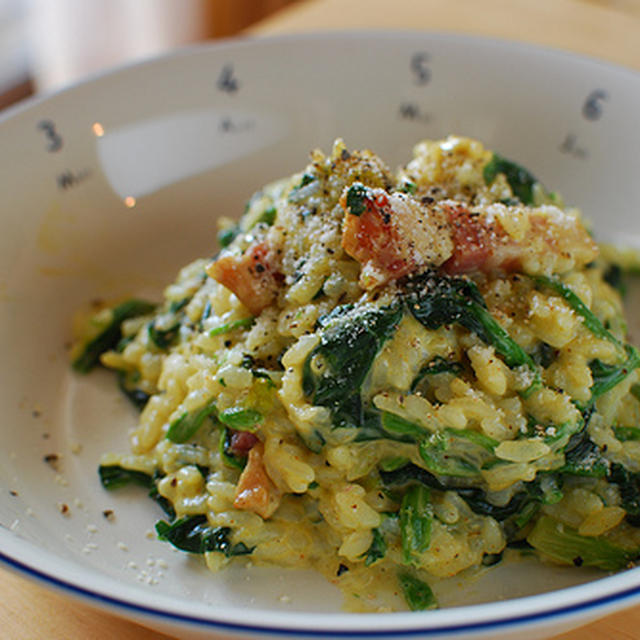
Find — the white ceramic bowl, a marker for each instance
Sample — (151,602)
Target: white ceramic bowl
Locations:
(184,139)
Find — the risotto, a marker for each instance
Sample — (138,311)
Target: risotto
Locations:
(389,377)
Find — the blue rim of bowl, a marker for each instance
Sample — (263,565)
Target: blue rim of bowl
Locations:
(548,615)
(88,595)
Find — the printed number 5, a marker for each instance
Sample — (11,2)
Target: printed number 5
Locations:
(419,67)
(54,141)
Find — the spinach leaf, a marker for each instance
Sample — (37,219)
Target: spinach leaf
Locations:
(478,503)
(227,236)
(409,187)
(377,549)
(268,217)
(491,559)
(607,376)
(227,327)
(626,434)
(519,179)
(127,383)
(438,459)
(629,487)
(416,517)
(178,305)
(475,437)
(308,186)
(239,418)
(206,313)
(162,502)
(110,334)
(186,426)
(393,463)
(614,277)
(164,329)
(335,370)
(434,367)
(396,425)
(457,452)
(381,425)
(417,594)
(589,319)
(565,545)
(411,473)
(583,457)
(115,477)
(473,496)
(544,355)
(545,489)
(194,535)
(437,299)
(249,362)
(227,456)
(163,338)
(356,199)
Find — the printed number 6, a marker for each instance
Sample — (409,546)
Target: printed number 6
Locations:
(592,107)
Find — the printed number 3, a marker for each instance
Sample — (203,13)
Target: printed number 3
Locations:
(54,140)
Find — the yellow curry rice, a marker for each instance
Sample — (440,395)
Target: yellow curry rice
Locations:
(387,377)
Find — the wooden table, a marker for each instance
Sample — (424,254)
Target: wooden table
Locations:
(608,29)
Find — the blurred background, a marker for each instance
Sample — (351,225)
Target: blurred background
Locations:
(47,44)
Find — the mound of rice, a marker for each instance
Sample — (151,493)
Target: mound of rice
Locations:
(388,378)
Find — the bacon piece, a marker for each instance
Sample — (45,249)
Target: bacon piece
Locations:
(392,236)
(241,442)
(255,490)
(470,239)
(253,276)
(529,240)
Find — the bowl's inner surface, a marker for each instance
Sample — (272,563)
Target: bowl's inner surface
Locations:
(183,149)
